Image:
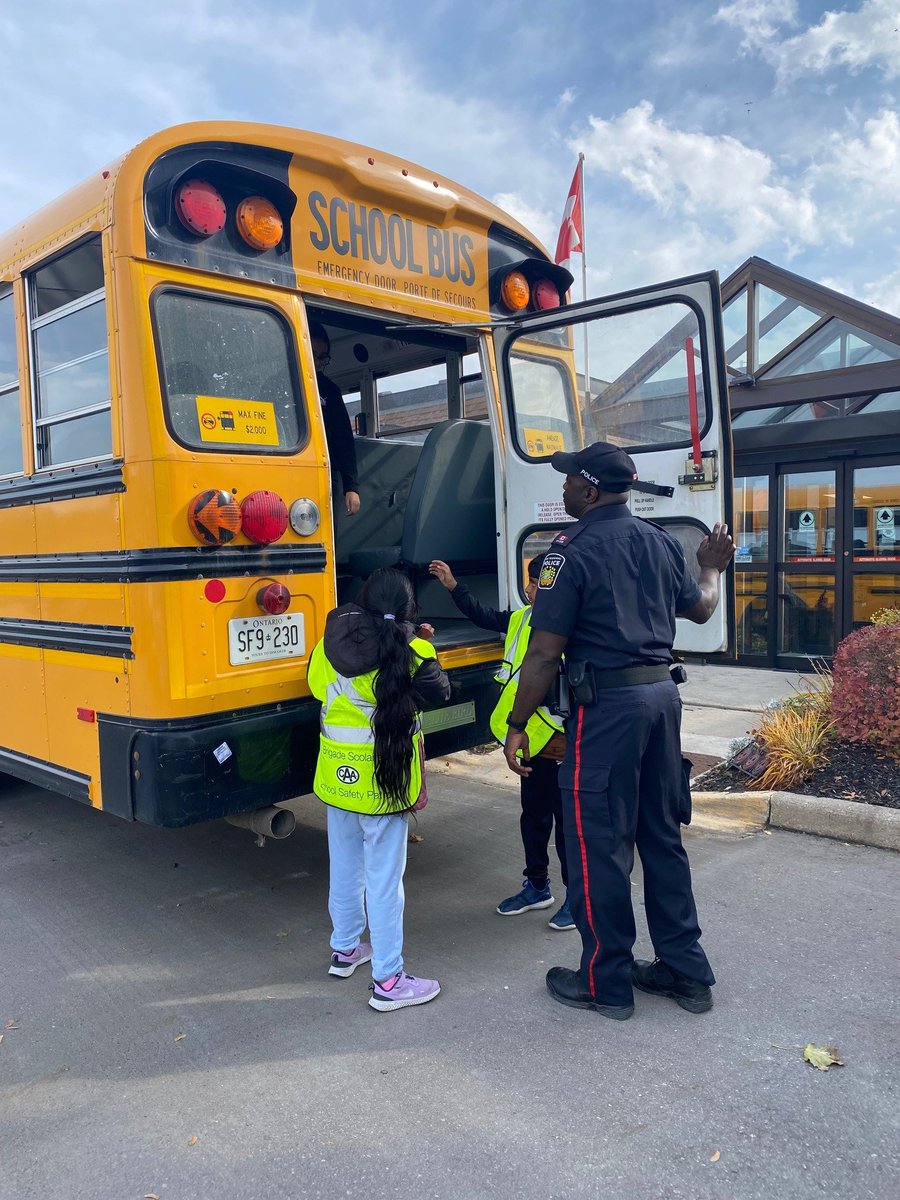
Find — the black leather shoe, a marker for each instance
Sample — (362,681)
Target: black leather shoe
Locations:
(659,980)
(565,985)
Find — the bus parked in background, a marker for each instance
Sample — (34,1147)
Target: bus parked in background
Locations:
(169,548)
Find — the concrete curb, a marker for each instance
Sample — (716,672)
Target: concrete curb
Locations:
(844,820)
(822,816)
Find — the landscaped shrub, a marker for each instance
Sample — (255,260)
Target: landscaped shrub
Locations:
(794,739)
(886,616)
(865,700)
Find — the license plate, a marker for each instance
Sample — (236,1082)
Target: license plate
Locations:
(257,639)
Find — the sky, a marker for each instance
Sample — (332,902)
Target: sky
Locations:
(711,131)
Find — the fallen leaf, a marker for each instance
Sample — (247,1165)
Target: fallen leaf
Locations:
(416,837)
(822,1057)
(12,1024)
(179,1037)
(767,832)
(1,1037)
(715,1156)
(283,933)
(193,1141)
(151,1195)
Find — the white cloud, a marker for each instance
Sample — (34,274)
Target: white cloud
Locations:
(710,179)
(872,160)
(758,20)
(543,225)
(868,36)
(883,293)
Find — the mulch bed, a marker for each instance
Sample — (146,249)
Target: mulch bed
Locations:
(852,773)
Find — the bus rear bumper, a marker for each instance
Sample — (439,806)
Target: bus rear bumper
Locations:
(179,772)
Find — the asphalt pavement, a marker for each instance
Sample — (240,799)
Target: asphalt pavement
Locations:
(169,1028)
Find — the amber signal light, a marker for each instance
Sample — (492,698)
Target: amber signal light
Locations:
(259,223)
(214,517)
(515,292)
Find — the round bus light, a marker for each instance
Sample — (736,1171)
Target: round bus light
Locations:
(259,223)
(515,292)
(264,516)
(200,208)
(214,591)
(214,517)
(545,294)
(274,598)
(305,517)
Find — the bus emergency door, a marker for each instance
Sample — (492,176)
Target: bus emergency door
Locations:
(644,370)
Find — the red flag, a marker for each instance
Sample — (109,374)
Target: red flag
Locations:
(571,232)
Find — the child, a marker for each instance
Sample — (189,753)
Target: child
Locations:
(540,794)
(372,674)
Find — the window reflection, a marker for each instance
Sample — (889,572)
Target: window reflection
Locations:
(808,516)
(876,513)
(751,517)
(806,604)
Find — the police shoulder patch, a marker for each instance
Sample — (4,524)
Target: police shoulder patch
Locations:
(550,569)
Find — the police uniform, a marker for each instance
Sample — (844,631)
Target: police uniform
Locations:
(612,584)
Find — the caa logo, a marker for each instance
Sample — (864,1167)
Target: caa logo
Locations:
(347,774)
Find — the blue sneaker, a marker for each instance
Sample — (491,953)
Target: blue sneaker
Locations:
(529,897)
(562,919)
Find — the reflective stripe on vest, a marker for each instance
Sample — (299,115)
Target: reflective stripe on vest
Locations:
(345,768)
(542,724)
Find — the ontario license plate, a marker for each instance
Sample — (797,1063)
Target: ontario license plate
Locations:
(256,639)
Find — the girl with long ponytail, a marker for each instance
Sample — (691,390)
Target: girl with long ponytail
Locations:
(373,671)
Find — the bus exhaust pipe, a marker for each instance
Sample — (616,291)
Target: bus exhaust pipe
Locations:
(271,822)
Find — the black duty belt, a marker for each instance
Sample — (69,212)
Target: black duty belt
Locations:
(628,676)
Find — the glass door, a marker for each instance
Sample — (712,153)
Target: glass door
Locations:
(810,541)
(873,550)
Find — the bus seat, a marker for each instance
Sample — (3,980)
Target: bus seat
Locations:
(450,512)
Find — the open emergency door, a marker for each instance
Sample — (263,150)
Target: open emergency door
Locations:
(645,371)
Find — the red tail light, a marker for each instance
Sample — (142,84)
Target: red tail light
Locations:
(200,207)
(264,516)
(545,294)
(275,598)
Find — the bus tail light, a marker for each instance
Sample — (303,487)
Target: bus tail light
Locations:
(214,517)
(515,292)
(259,223)
(274,598)
(545,294)
(264,516)
(200,207)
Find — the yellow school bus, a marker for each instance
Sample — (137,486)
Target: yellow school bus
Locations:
(170,541)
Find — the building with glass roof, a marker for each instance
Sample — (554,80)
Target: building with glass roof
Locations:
(814,384)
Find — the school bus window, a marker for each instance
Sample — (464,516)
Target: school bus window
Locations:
(473,391)
(70,358)
(227,379)
(544,404)
(10,430)
(412,400)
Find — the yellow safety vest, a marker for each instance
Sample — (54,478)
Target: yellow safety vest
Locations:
(345,769)
(542,724)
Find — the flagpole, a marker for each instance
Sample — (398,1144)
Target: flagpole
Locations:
(584,295)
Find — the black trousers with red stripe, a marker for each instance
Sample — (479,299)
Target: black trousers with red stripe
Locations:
(622,786)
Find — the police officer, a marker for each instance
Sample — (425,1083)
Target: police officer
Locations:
(609,591)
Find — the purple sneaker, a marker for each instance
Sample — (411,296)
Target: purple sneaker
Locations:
(345,964)
(402,991)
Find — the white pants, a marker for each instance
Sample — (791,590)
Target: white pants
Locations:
(367,859)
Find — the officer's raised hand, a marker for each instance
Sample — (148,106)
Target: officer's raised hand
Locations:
(714,554)
(717,549)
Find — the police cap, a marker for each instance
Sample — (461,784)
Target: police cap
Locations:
(604,465)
